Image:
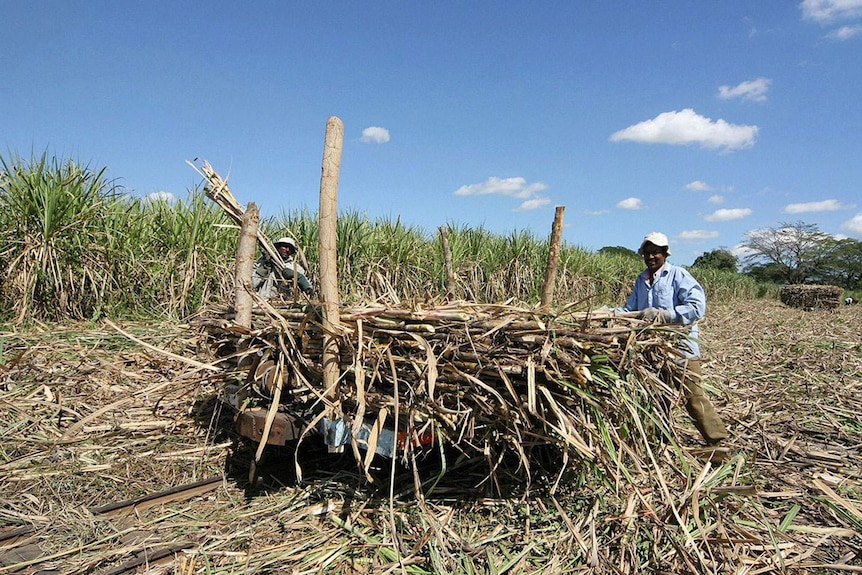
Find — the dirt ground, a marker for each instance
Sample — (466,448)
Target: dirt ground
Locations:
(91,414)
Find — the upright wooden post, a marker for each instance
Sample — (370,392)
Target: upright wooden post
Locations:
(328,219)
(447,261)
(245,264)
(553,259)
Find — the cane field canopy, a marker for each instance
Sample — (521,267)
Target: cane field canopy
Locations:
(561,442)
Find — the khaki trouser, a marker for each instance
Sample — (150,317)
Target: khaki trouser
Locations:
(697,404)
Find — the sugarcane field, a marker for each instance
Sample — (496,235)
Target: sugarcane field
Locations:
(508,419)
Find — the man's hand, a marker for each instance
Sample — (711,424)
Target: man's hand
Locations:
(655,314)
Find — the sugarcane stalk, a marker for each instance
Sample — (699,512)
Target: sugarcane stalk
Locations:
(329,267)
(447,261)
(245,253)
(553,259)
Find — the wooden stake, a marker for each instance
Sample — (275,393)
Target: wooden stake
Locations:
(328,219)
(245,264)
(553,259)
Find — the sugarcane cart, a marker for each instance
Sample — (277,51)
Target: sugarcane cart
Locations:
(401,381)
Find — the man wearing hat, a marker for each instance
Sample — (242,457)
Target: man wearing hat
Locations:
(665,293)
(269,281)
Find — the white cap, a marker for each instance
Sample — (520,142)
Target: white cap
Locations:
(656,239)
(285,240)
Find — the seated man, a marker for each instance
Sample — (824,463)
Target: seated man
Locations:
(269,281)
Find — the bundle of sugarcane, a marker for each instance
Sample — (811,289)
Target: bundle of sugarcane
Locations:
(811,296)
(489,380)
(217,190)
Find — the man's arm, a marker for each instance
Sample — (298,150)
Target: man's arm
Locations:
(690,298)
(301,280)
(259,274)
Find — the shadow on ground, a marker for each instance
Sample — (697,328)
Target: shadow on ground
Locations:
(438,472)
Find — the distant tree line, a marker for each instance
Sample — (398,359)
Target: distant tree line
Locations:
(799,253)
(720,259)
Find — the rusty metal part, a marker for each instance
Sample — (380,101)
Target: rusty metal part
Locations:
(264,377)
(250,423)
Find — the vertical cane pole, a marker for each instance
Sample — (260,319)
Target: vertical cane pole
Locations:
(447,261)
(331,301)
(245,264)
(553,259)
(243,303)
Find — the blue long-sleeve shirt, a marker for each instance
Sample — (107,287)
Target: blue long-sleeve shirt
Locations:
(673,288)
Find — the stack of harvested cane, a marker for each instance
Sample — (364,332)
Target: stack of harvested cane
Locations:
(488,380)
(811,296)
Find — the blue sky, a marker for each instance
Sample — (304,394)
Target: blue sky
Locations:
(703,120)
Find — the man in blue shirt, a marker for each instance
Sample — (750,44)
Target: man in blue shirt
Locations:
(665,293)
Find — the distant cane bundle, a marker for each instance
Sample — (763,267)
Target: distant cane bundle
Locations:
(811,296)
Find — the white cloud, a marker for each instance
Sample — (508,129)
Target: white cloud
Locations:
(375,135)
(845,32)
(597,212)
(688,127)
(749,90)
(727,214)
(630,204)
(513,187)
(831,10)
(528,205)
(824,206)
(167,197)
(697,235)
(716,199)
(854,225)
(516,187)
(698,186)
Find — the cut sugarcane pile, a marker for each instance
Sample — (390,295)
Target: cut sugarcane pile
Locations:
(811,296)
(490,380)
